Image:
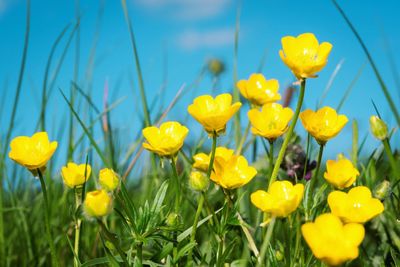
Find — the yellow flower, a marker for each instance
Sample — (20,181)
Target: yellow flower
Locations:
(108,179)
(323,124)
(340,173)
(304,55)
(271,122)
(258,90)
(202,160)
(32,152)
(281,199)
(331,241)
(233,172)
(198,181)
(166,140)
(74,175)
(212,113)
(97,203)
(357,206)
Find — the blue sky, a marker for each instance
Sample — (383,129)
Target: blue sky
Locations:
(180,36)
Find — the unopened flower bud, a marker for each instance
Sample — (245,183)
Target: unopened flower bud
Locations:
(198,181)
(378,127)
(215,66)
(108,179)
(172,219)
(382,190)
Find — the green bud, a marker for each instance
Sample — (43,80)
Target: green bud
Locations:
(198,181)
(215,66)
(279,255)
(382,190)
(172,219)
(378,127)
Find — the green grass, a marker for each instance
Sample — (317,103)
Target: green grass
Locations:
(141,229)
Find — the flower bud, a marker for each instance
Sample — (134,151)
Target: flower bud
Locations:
(97,203)
(382,190)
(378,127)
(172,219)
(215,66)
(198,181)
(108,179)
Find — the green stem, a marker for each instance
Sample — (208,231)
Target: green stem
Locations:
(202,197)
(266,242)
(177,184)
(313,181)
(194,227)
(78,222)
(113,239)
(392,160)
(47,220)
(271,165)
(282,151)
(243,139)
(213,148)
(139,252)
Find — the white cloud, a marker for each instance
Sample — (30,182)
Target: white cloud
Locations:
(194,39)
(187,9)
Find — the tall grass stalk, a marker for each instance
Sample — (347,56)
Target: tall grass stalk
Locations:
(289,134)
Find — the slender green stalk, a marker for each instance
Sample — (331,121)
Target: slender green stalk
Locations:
(372,63)
(282,151)
(78,223)
(10,128)
(194,227)
(392,160)
(313,181)
(266,242)
(139,253)
(213,149)
(203,196)
(177,184)
(112,238)
(243,139)
(47,220)
(271,165)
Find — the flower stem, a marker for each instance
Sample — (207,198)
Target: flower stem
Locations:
(271,165)
(310,189)
(243,139)
(202,197)
(78,222)
(47,220)
(194,227)
(392,160)
(177,184)
(266,242)
(282,151)
(139,252)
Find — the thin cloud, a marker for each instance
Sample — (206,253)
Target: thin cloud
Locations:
(193,39)
(187,9)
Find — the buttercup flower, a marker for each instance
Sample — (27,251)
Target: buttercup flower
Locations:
(281,199)
(271,122)
(32,152)
(108,179)
(331,241)
(323,124)
(97,203)
(258,90)
(378,128)
(304,55)
(198,181)
(166,140)
(233,172)
(340,173)
(357,206)
(74,175)
(202,160)
(213,113)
